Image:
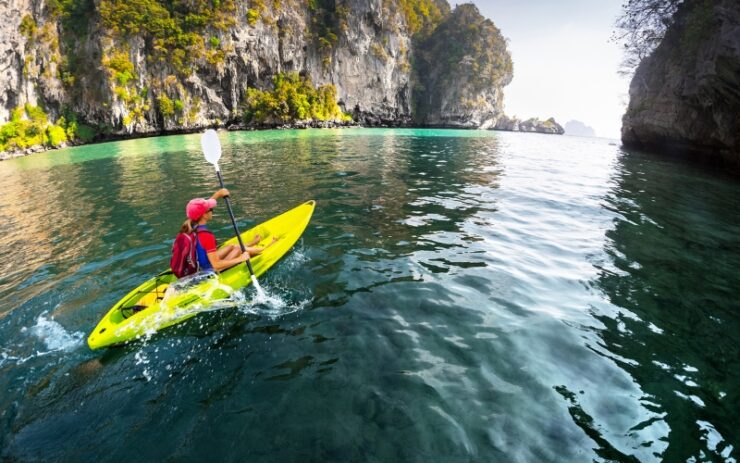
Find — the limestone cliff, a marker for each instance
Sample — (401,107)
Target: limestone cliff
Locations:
(685,97)
(119,71)
(462,69)
(130,67)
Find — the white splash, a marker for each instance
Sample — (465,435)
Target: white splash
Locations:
(142,359)
(183,285)
(215,296)
(266,303)
(296,259)
(258,288)
(271,300)
(54,336)
(6,358)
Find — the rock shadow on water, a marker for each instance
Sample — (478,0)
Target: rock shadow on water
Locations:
(672,322)
(586,423)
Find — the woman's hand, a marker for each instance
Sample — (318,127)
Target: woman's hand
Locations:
(245,256)
(222,193)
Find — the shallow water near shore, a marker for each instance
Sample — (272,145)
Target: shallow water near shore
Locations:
(457,296)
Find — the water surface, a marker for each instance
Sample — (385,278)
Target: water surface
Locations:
(458,296)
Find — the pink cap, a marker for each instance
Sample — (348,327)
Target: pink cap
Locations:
(199,206)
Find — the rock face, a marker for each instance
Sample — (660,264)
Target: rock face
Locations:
(211,87)
(463,67)
(579,129)
(685,97)
(132,67)
(512,124)
(14,88)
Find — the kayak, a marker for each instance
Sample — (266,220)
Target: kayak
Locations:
(164,301)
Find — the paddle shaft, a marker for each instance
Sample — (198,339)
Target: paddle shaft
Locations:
(233,222)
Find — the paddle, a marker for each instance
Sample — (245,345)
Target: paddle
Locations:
(212,151)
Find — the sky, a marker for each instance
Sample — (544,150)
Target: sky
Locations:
(564,64)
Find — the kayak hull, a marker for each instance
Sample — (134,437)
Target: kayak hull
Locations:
(163,301)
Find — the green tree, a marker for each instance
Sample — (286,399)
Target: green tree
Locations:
(56,135)
(641,27)
(293,98)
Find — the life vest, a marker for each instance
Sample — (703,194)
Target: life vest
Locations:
(204,263)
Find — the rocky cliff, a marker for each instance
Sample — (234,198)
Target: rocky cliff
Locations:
(131,67)
(685,97)
(462,69)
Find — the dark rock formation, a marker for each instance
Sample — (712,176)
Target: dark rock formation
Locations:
(579,129)
(685,97)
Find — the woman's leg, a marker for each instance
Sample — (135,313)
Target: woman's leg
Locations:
(255,251)
(228,252)
(257,238)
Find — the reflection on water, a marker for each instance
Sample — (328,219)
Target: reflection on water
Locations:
(673,277)
(458,295)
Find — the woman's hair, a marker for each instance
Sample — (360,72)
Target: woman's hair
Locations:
(187,226)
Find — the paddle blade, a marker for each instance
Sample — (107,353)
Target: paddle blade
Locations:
(211,146)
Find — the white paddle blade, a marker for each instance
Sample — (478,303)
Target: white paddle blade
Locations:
(211,146)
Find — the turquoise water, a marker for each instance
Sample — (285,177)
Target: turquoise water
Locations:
(458,296)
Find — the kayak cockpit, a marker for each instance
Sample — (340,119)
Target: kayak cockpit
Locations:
(147,295)
(140,300)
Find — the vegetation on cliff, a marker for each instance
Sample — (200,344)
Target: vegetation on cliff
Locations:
(466,36)
(643,24)
(293,98)
(178,36)
(29,126)
(465,47)
(329,18)
(174,31)
(422,16)
(641,27)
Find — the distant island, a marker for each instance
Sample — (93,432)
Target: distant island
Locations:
(579,129)
(514,124)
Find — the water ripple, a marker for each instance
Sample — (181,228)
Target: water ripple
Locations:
(458,296)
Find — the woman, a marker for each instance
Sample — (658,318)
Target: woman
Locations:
(210,257)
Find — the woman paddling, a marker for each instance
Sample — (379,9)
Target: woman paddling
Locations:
(210,257)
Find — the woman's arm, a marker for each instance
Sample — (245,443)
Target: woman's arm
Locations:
(222,264)
(222,193)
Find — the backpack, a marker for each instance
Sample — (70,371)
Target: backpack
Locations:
(184,259)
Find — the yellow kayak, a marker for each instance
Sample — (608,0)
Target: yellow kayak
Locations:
(159,303)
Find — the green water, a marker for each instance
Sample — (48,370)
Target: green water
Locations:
(458,296)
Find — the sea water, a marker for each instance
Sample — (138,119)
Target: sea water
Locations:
(457,296)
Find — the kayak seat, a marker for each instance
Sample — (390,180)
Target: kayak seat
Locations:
(145,301)
(128,311)
(153,297)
